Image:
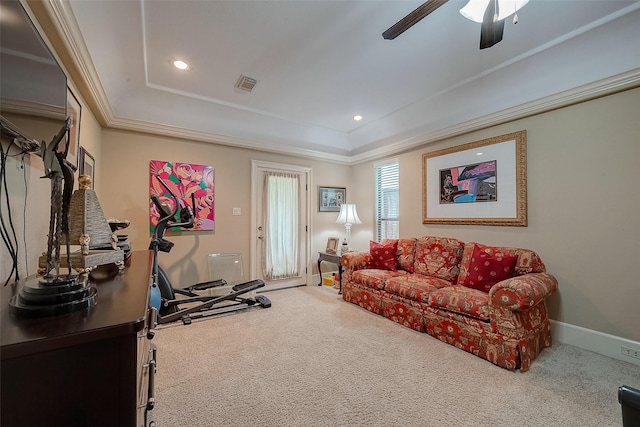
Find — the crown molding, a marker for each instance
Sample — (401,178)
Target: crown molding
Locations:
(76,57)
(118,123)
(35,109)
(604,87)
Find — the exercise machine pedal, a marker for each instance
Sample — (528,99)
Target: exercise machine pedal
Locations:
(207,285)
(248,286)
(263,301)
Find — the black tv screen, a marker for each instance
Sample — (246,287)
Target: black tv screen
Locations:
(33,87)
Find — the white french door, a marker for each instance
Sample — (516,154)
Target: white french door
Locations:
(279,220)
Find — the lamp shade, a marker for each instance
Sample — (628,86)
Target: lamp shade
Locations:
(474,10)
(348,215)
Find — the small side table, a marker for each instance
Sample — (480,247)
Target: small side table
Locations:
(333,259)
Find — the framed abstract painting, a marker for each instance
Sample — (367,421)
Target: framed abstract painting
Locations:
(184,180)
(479,183)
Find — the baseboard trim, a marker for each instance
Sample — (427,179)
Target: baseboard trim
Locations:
(598,342)
(264,290)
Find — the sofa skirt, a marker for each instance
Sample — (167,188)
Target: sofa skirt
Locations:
(472,335)
(368,298)
(400,310)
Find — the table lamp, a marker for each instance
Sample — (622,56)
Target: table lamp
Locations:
(348,215)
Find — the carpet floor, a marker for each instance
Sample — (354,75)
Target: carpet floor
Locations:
(314,360)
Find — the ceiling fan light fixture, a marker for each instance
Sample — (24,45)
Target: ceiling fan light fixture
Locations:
(474,10)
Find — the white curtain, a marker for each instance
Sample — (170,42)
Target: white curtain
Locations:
(282,215)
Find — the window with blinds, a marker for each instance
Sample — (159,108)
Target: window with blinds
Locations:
(387,200)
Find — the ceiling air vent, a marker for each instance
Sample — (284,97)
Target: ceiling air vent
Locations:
(246,83)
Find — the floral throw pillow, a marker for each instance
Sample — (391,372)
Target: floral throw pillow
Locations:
(383,255)
(438,257)
(486,270)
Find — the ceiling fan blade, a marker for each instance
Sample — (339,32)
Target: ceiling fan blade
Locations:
(413,18)
(491,31)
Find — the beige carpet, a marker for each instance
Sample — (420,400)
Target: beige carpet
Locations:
(315,360)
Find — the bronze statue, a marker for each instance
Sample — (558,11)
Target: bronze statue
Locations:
(54,294)
(61,173)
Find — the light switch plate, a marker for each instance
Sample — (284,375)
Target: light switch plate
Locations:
(237,211)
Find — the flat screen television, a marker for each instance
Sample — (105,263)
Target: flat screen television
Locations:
(33,87)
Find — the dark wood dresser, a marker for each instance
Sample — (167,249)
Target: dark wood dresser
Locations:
(90,368)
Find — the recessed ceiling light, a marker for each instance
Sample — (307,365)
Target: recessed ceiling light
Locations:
(357,117)
(180,65)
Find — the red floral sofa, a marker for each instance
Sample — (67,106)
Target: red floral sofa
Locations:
(487,300)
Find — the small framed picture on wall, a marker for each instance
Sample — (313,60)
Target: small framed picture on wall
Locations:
(87,165)
(74,110)
(330,199)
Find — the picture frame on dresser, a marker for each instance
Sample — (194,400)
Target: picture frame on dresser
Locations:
(479,183)
(332,245)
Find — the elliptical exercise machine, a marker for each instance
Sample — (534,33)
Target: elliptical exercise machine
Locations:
(191,305)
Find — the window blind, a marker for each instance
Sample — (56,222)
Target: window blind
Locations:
(387,200)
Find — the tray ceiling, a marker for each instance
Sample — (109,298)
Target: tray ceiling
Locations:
(319,63)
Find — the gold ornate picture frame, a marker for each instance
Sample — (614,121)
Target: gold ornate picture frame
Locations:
(479,183)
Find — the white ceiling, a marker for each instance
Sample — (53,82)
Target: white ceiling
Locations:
(320,62)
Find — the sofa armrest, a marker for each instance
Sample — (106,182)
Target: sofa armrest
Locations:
(355,260)
(521,292)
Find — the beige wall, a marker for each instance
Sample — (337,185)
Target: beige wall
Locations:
(583,201)
(125,194)
(91,140)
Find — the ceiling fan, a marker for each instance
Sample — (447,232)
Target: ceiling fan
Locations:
(490,13)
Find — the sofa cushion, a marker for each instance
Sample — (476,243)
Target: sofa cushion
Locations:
(461,299)
(486,270)
(406,252)
(383,255)
(415,287)
(528,261)
(374,278)
(438,257)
